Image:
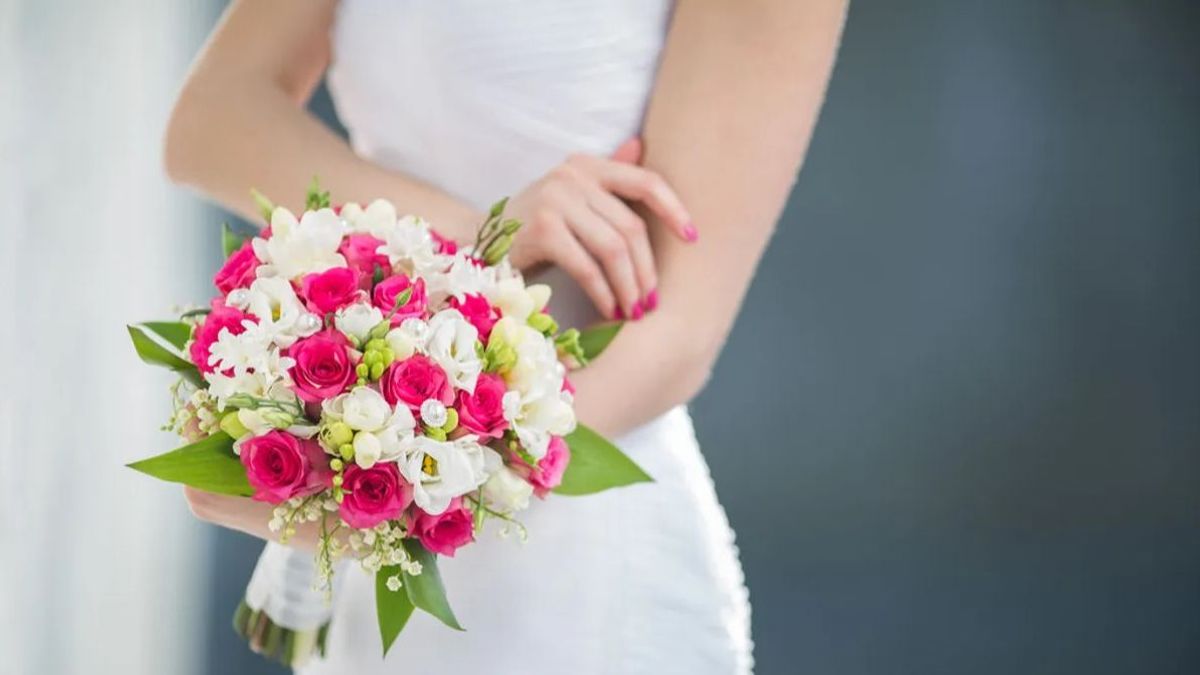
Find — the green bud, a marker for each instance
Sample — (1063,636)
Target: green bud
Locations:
(337,481)
(435,433)
(240,401)
(511,226)
(371,357)
(543,323)
(233,426)
(346,451)
(337,464)
(388,355)
(498,249)
(278,418)
(380,329)
(451,420)
(355,341)
(377,344)
(376,371)
(362,382)
(337,434)
(362,370)
(402,298)
(338,496)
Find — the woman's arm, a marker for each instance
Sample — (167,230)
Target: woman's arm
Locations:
(737,96)
(240,121)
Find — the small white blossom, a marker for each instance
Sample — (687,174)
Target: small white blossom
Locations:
(357,320)
(298,248)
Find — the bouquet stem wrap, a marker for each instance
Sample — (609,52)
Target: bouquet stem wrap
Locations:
(284,616)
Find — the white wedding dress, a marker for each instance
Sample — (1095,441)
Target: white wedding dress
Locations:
(480,99)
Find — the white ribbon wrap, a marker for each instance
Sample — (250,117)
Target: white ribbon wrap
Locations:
(283,587)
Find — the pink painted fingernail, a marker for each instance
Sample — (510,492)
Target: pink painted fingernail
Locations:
(619,314)
(691,233)
(652,300)
(637,312)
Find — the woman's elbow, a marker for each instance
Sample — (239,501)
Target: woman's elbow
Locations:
(185,140)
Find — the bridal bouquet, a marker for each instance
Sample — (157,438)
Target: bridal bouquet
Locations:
(380,385)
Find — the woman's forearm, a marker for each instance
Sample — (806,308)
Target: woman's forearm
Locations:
(224,149)
(240,122)
(736,100)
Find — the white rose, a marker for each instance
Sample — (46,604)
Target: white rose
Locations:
(506,491)
(451,342)
(364,409)
(299,248)
(357,320)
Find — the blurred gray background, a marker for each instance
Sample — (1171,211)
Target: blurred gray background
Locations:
(979,322)
(957,427)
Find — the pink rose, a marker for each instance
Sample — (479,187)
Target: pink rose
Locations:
(220,318)
(389,289)
(280,466)
(373,495)
(330,290)
(414,380)
(361,252)
(239,269)
(478,312)
(548,473)
(483,412)
(446,532)
(446,245)
(324,366)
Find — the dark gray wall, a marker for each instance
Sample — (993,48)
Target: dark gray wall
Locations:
(957,425)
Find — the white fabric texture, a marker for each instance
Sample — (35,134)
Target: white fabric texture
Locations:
(479,99)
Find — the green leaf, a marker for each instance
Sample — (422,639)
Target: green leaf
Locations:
(595,339)
(265,207)
(175,332)
(392,607)
(208,465)
(230,240)
(597,465)
(425,590)
(157,354)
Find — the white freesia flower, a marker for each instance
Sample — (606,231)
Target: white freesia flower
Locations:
(259,384)
(451,342)
(517,300)
(507,491)
(460,278)
(410,246)
(377,220)
(299,248)
(537,367)
(280,313)
(534,418)
(439,471)
(381,429)
(404,339)
(357,320)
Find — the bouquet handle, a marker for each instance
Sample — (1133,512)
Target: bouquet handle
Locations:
(284,616)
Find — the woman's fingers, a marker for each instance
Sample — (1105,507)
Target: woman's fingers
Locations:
(573,258)
(633,229)
(643,185)
(607,246)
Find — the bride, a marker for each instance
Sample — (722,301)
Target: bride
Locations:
(649,148)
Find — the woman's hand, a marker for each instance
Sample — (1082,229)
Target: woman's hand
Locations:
(246,515)
(576,217)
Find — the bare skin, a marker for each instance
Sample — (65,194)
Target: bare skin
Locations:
(727,139)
